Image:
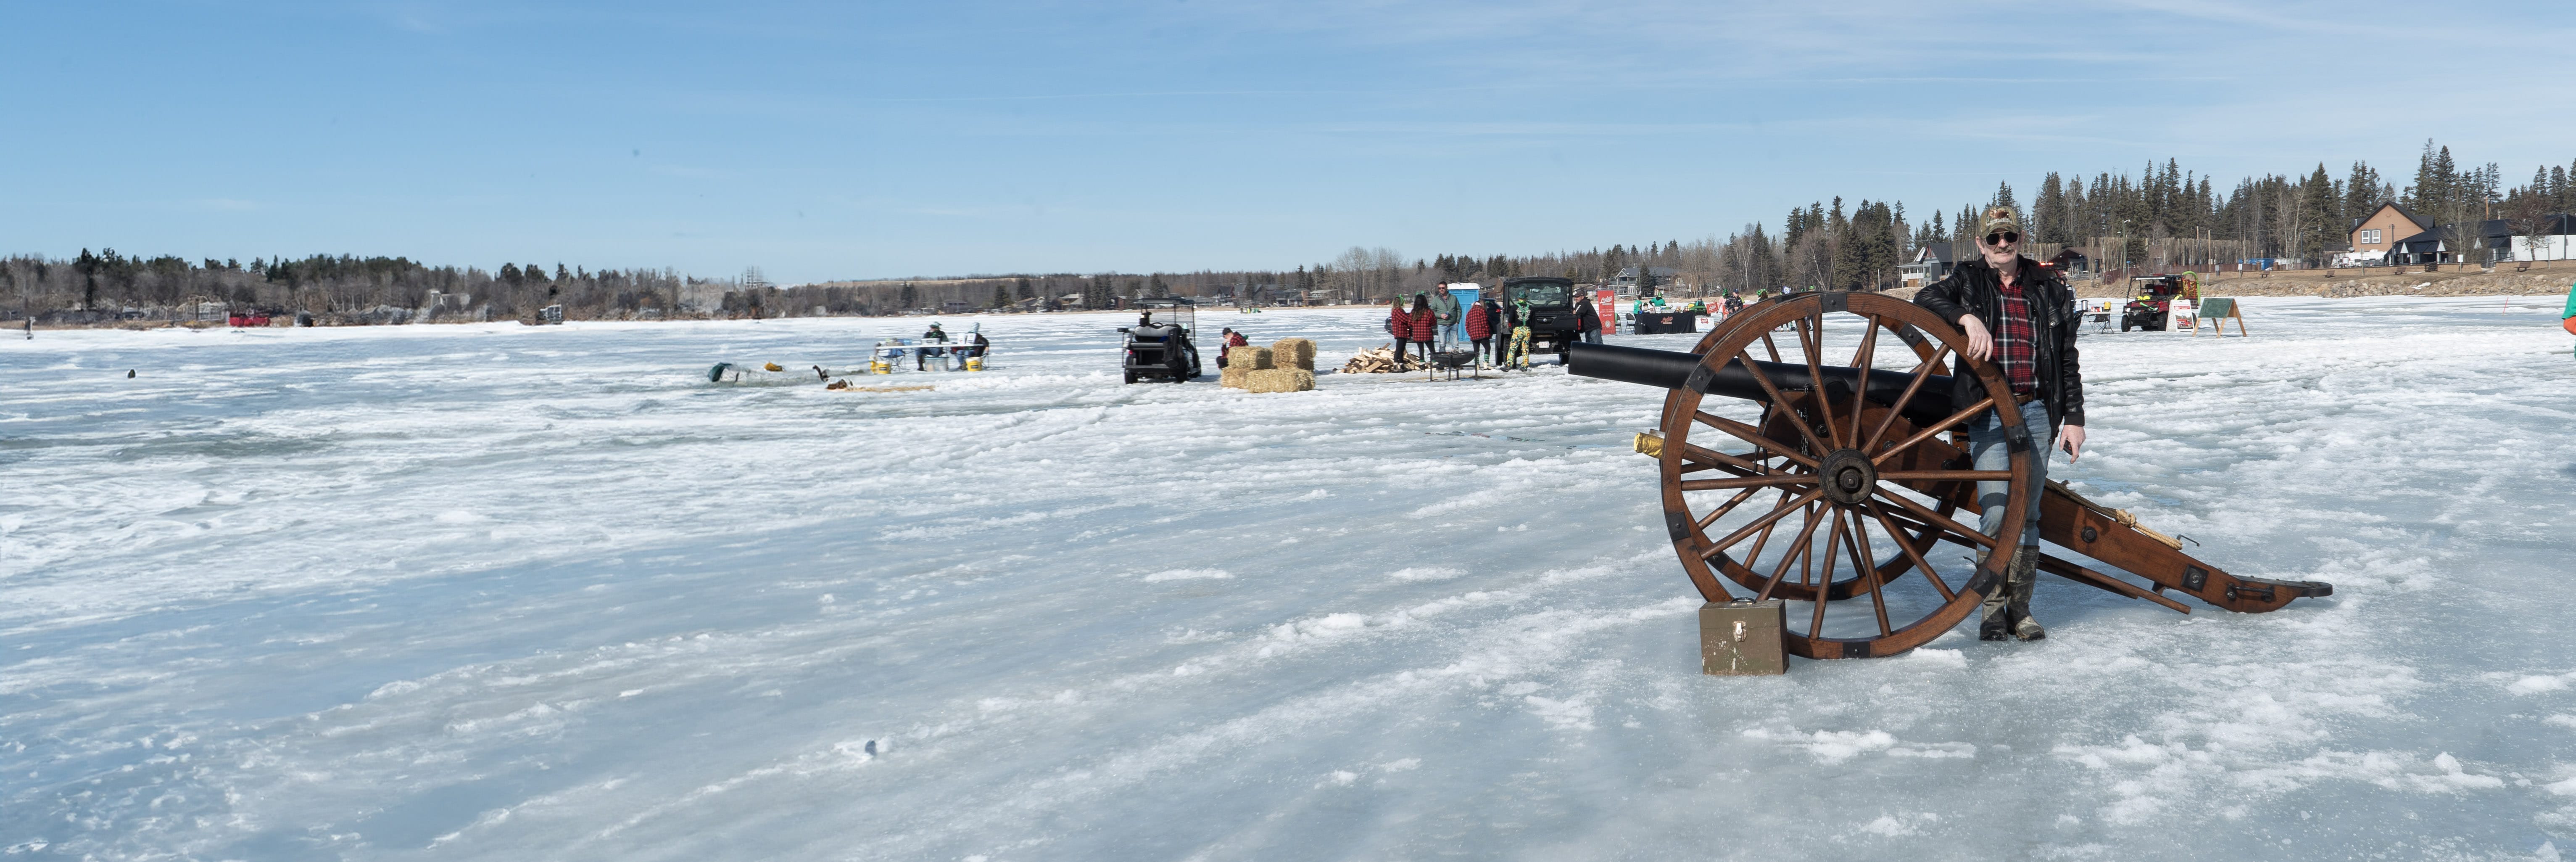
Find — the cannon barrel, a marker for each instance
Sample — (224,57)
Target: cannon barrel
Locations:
(1671,369)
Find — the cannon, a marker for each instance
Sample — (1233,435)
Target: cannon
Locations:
(1867,472)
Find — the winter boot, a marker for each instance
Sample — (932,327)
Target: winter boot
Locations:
(1994,622)
(2020,578)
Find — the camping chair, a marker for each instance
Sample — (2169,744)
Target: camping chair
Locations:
(2098,315)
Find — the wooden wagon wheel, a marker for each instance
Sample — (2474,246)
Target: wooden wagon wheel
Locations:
(1837,466)
(1923,538)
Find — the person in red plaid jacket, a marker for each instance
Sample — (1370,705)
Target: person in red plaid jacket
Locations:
(2019,315)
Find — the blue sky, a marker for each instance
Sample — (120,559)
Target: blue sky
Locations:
(823,141)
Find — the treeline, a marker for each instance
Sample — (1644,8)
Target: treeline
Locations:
(2163,216)
(106,285)
(2297,217)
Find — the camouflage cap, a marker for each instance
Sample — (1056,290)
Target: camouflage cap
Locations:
(1997,221)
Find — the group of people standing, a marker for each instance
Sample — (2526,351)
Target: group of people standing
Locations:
(1496,330)
(1422,325)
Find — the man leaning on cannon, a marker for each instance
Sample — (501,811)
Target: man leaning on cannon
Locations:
(2015,312)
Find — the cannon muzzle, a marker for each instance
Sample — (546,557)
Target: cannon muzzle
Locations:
(1669,369)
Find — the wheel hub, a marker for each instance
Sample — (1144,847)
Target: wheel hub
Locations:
(1847,475)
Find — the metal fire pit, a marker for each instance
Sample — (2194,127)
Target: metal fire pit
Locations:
(1452,360)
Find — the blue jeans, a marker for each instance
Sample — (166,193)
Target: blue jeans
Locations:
(1986,445)
(1592,336)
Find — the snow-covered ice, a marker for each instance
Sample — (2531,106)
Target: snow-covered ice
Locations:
(508,592)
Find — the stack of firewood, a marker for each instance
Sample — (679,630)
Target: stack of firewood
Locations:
(1382,359)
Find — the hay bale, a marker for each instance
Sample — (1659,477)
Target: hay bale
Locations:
(1249,358)
(1233,378)
(1294,353)
(1281,380)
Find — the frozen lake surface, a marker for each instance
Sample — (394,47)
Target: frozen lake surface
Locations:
(504,592)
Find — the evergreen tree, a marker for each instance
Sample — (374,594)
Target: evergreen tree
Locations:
(2320,219)
(2048,212)
(2436,181)
(2360,188)
(1843,270)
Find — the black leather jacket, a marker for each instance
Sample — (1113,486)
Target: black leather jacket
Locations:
(1973,287)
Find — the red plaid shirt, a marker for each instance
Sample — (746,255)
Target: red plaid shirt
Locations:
(2015,342)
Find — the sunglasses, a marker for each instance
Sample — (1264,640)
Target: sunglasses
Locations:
(2005,237)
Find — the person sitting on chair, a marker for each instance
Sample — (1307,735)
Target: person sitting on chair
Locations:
(921,358)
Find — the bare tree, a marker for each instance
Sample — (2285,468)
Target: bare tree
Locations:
(2530,218)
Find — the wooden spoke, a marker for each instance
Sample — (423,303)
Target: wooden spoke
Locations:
(1774,349)
(1946,475)
(1728,506)
(1713,458)
(1861,359)
(1777,398)
(1758,523)
(1921,373)
(1773,480)
(1814,516)
(1818,624)
(1807,558)
(1936,519)
(1765,538)
(1753,435)
(1858,541)
(1815,351)
(1935,531)
(1911,554)
(1935,428)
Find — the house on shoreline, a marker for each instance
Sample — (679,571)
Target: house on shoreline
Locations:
(2395,235)
(2375,236)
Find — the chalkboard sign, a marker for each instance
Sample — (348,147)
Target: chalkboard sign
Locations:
(2217,311)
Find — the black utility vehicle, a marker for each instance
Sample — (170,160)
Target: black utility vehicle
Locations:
(1161,344)
(1552,324)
